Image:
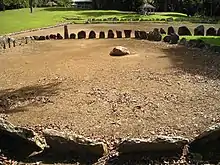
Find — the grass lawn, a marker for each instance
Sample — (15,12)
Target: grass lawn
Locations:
(208,39)
(22,19)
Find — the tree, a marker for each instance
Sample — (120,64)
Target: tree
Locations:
(31,5)
(2,5)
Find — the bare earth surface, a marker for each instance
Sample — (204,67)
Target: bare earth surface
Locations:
(75,85)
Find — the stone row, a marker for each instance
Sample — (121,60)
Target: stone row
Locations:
(20,143)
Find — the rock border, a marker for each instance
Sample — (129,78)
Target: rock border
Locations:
(56,142)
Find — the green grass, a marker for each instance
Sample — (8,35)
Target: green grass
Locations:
(208,39)
(22,19)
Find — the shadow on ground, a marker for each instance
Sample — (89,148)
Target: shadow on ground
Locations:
(16,100)
(60,9)
(49,157)
(195,62)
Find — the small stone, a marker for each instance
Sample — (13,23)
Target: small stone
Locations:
(211,32)
(81,35)
(184,31)
(111,34)
(127,33)
(92,35)
(118,34)
(170,30)
(199,31)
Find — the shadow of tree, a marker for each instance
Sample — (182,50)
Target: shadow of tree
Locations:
(60,9)
(195,62)
(15,100)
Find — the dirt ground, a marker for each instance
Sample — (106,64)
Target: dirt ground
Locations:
(75,85)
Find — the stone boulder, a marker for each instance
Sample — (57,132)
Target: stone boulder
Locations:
(127,33)
(92,35)
(137,34)
(72,36)
(167,38)
(19,142)
(218,32)
(119,34)
(81,35)
(66,33)
(61,142)
(211,32)
(154,144)
(47,37)
(111,34)
(174,38)
(3,42)
(36,37)
(53,36)
(59,37)
(162,31)
(42,38)
(102,34)
(170,30)
(207,142)
(183,41)
(199,31)
(143,35)
(184,31)
(119,51)
(156,35)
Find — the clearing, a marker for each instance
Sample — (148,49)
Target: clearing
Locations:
(75,85)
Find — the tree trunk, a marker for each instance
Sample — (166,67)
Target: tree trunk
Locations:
(2,5)
(31,5)
(165,5)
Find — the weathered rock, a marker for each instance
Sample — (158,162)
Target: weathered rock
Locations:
(102,34)
(47,37)
(211,32)
(143,35)
(216,49)
(119,51)
(111,34)
(29,39)
(92,35)
(13,41)
(183,41)
(218,32)
(195,43)
(81,35)
(59,37)
(199,31)
(72,36)
(174,38)
(156,35)
(137,34)
(42,38)
(167,38)
(61,142)
(162,31)
(208,141)
(155,144)
(184,31)
(3,42)
(36,37)
(66,33)
(19,142)
(127,33)
(53,36)
(170,30)
(119,34)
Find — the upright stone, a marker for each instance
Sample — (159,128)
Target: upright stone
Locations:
(143,35)
(59,37)
(211,32)
(42,38)
(9,42)
(170,30)
(102,34)
(199,31)
(162,31)
(81,34)
(137,34)
(184,31)
(127,33)
(174,38)
(111,34)
(119,34)
(47,37)
(53,36)
(66,33)
(92,35)
(218,32)
(72,36)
